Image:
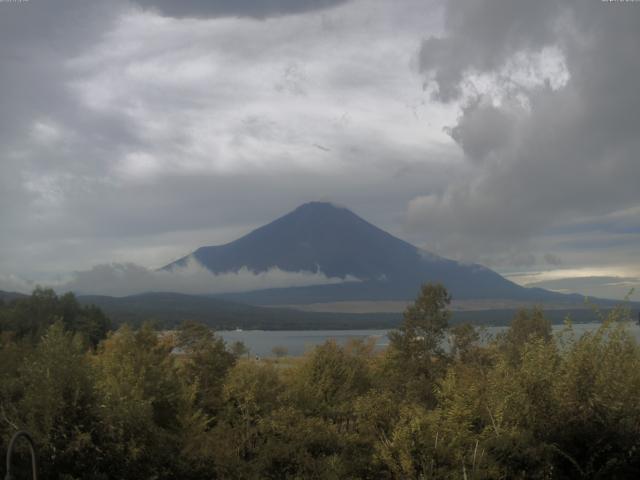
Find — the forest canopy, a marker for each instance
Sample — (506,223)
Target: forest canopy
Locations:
(139,404)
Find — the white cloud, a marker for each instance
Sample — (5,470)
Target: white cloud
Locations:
(130,279)
(228,95)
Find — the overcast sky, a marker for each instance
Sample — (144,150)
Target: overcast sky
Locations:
(500,132)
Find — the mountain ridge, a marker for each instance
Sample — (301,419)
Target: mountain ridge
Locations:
(169,310)
(322,237)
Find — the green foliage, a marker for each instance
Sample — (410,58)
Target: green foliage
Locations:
(425,323)
(146,405)
(328,381)
(139,399)
(54,400)
(525,327)
(464,341)
(29,317)
(239,349)
(205,364)
(415,358)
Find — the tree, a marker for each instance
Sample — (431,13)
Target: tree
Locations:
(415,358)
(425,323)
(239,349)
(30,317)
(57,405)
(525,326)
(205,364)
(251,392)
(464,340)
(329,380)
(141,406)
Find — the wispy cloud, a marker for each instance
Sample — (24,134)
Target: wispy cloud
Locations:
(602,282)
(129,279)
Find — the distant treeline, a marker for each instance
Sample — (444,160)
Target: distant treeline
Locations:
(168,310)
(504,317)
(134,404)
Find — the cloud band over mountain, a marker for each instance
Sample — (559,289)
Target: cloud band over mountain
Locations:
(129,279)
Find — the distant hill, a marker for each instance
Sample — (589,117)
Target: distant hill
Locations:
(8,296)
(168,310)
(321,237)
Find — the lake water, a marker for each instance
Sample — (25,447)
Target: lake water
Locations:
(297,342)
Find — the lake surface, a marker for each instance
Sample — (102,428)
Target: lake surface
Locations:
(297,342)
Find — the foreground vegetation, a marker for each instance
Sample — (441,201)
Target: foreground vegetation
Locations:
(132,404)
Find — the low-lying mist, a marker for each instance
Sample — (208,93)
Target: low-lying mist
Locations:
(121,279)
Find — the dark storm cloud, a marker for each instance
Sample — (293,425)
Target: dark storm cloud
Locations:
(483,129)
(481,34)
(235,8)
(568,150)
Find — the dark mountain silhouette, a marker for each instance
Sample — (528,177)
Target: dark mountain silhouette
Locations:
(168,310)
(322,237)
(9,296)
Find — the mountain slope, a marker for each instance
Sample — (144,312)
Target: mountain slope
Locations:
(168,310)
(315,235)
(9,296)
(333,240)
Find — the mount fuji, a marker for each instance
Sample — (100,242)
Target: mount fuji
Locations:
(363,261)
